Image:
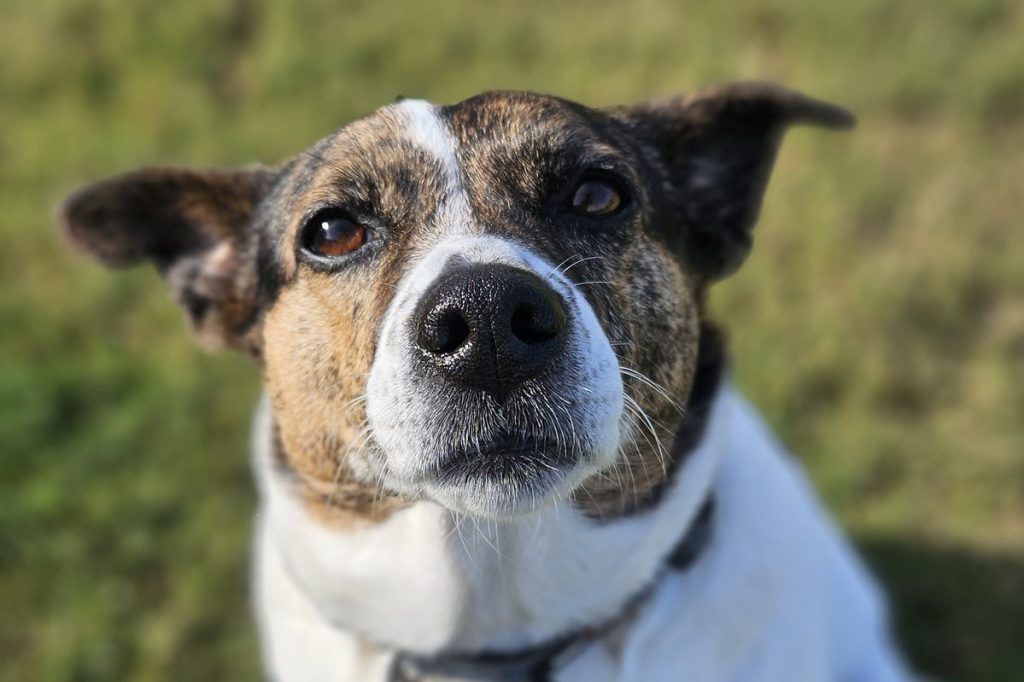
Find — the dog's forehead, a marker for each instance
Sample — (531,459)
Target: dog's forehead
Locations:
(419,167)
(411,130)
(494,116)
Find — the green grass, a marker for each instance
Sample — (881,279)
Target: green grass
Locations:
(879,322)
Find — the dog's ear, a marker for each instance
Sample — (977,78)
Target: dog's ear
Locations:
(717,147)
(195,226)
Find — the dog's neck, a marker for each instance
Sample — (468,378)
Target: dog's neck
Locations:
(425,579)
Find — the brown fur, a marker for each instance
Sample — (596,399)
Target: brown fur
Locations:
(694,170)
(660,342)
(192,226)
(316,360)
(645,301)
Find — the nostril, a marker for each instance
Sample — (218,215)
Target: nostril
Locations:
(537,322)
(443,331)
(489,327)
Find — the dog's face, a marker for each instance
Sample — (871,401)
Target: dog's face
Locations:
(492,305)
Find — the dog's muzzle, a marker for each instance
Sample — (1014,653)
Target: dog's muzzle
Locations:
(489,327)
(493,388)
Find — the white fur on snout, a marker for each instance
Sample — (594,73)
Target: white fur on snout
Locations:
(405,421)
(406,412)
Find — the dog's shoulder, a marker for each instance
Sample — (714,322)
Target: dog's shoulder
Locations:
(788,596)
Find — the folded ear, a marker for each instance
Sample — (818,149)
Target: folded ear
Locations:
(195,226)
(717,147)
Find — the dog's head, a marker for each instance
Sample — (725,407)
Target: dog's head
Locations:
(491,304)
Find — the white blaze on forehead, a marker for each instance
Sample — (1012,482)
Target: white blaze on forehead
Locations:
(426,129)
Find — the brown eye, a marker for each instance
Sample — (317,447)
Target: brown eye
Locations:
(332,234)
(595,198)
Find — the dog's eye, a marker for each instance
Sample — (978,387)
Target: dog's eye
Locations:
(332,234)
(596,198)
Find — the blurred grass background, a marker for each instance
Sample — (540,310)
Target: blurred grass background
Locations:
(879,322)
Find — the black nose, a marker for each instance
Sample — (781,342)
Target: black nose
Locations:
(490,327)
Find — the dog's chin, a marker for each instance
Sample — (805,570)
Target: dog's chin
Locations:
(505,478)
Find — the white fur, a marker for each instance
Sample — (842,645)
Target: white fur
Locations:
(777,594)
(425,128)
(406,430)
(404,423)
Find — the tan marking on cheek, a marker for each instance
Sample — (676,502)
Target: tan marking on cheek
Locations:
(317,356)
(672,317)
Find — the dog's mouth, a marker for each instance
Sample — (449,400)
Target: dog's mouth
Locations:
(507,457)
(508,473)
(494,390)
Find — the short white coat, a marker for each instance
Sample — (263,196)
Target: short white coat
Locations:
(776,596)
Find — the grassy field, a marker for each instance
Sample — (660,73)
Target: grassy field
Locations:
(879,322)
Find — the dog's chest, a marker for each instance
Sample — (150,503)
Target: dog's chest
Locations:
(425,580)
(775,596)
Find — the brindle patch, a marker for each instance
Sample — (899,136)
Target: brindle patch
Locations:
(193,226)
(320,333)
(693,169)
(517,152)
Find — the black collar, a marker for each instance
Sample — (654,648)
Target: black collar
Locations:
(539,662)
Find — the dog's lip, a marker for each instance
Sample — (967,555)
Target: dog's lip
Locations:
(491,455)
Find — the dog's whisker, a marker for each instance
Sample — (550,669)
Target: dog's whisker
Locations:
(659,449)
(627,464)
(653,385)
(580,261)
(484,536)
(576,285)
(465,548)
(558,268)
(340,466)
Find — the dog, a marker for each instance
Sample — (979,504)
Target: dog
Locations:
(497,440)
